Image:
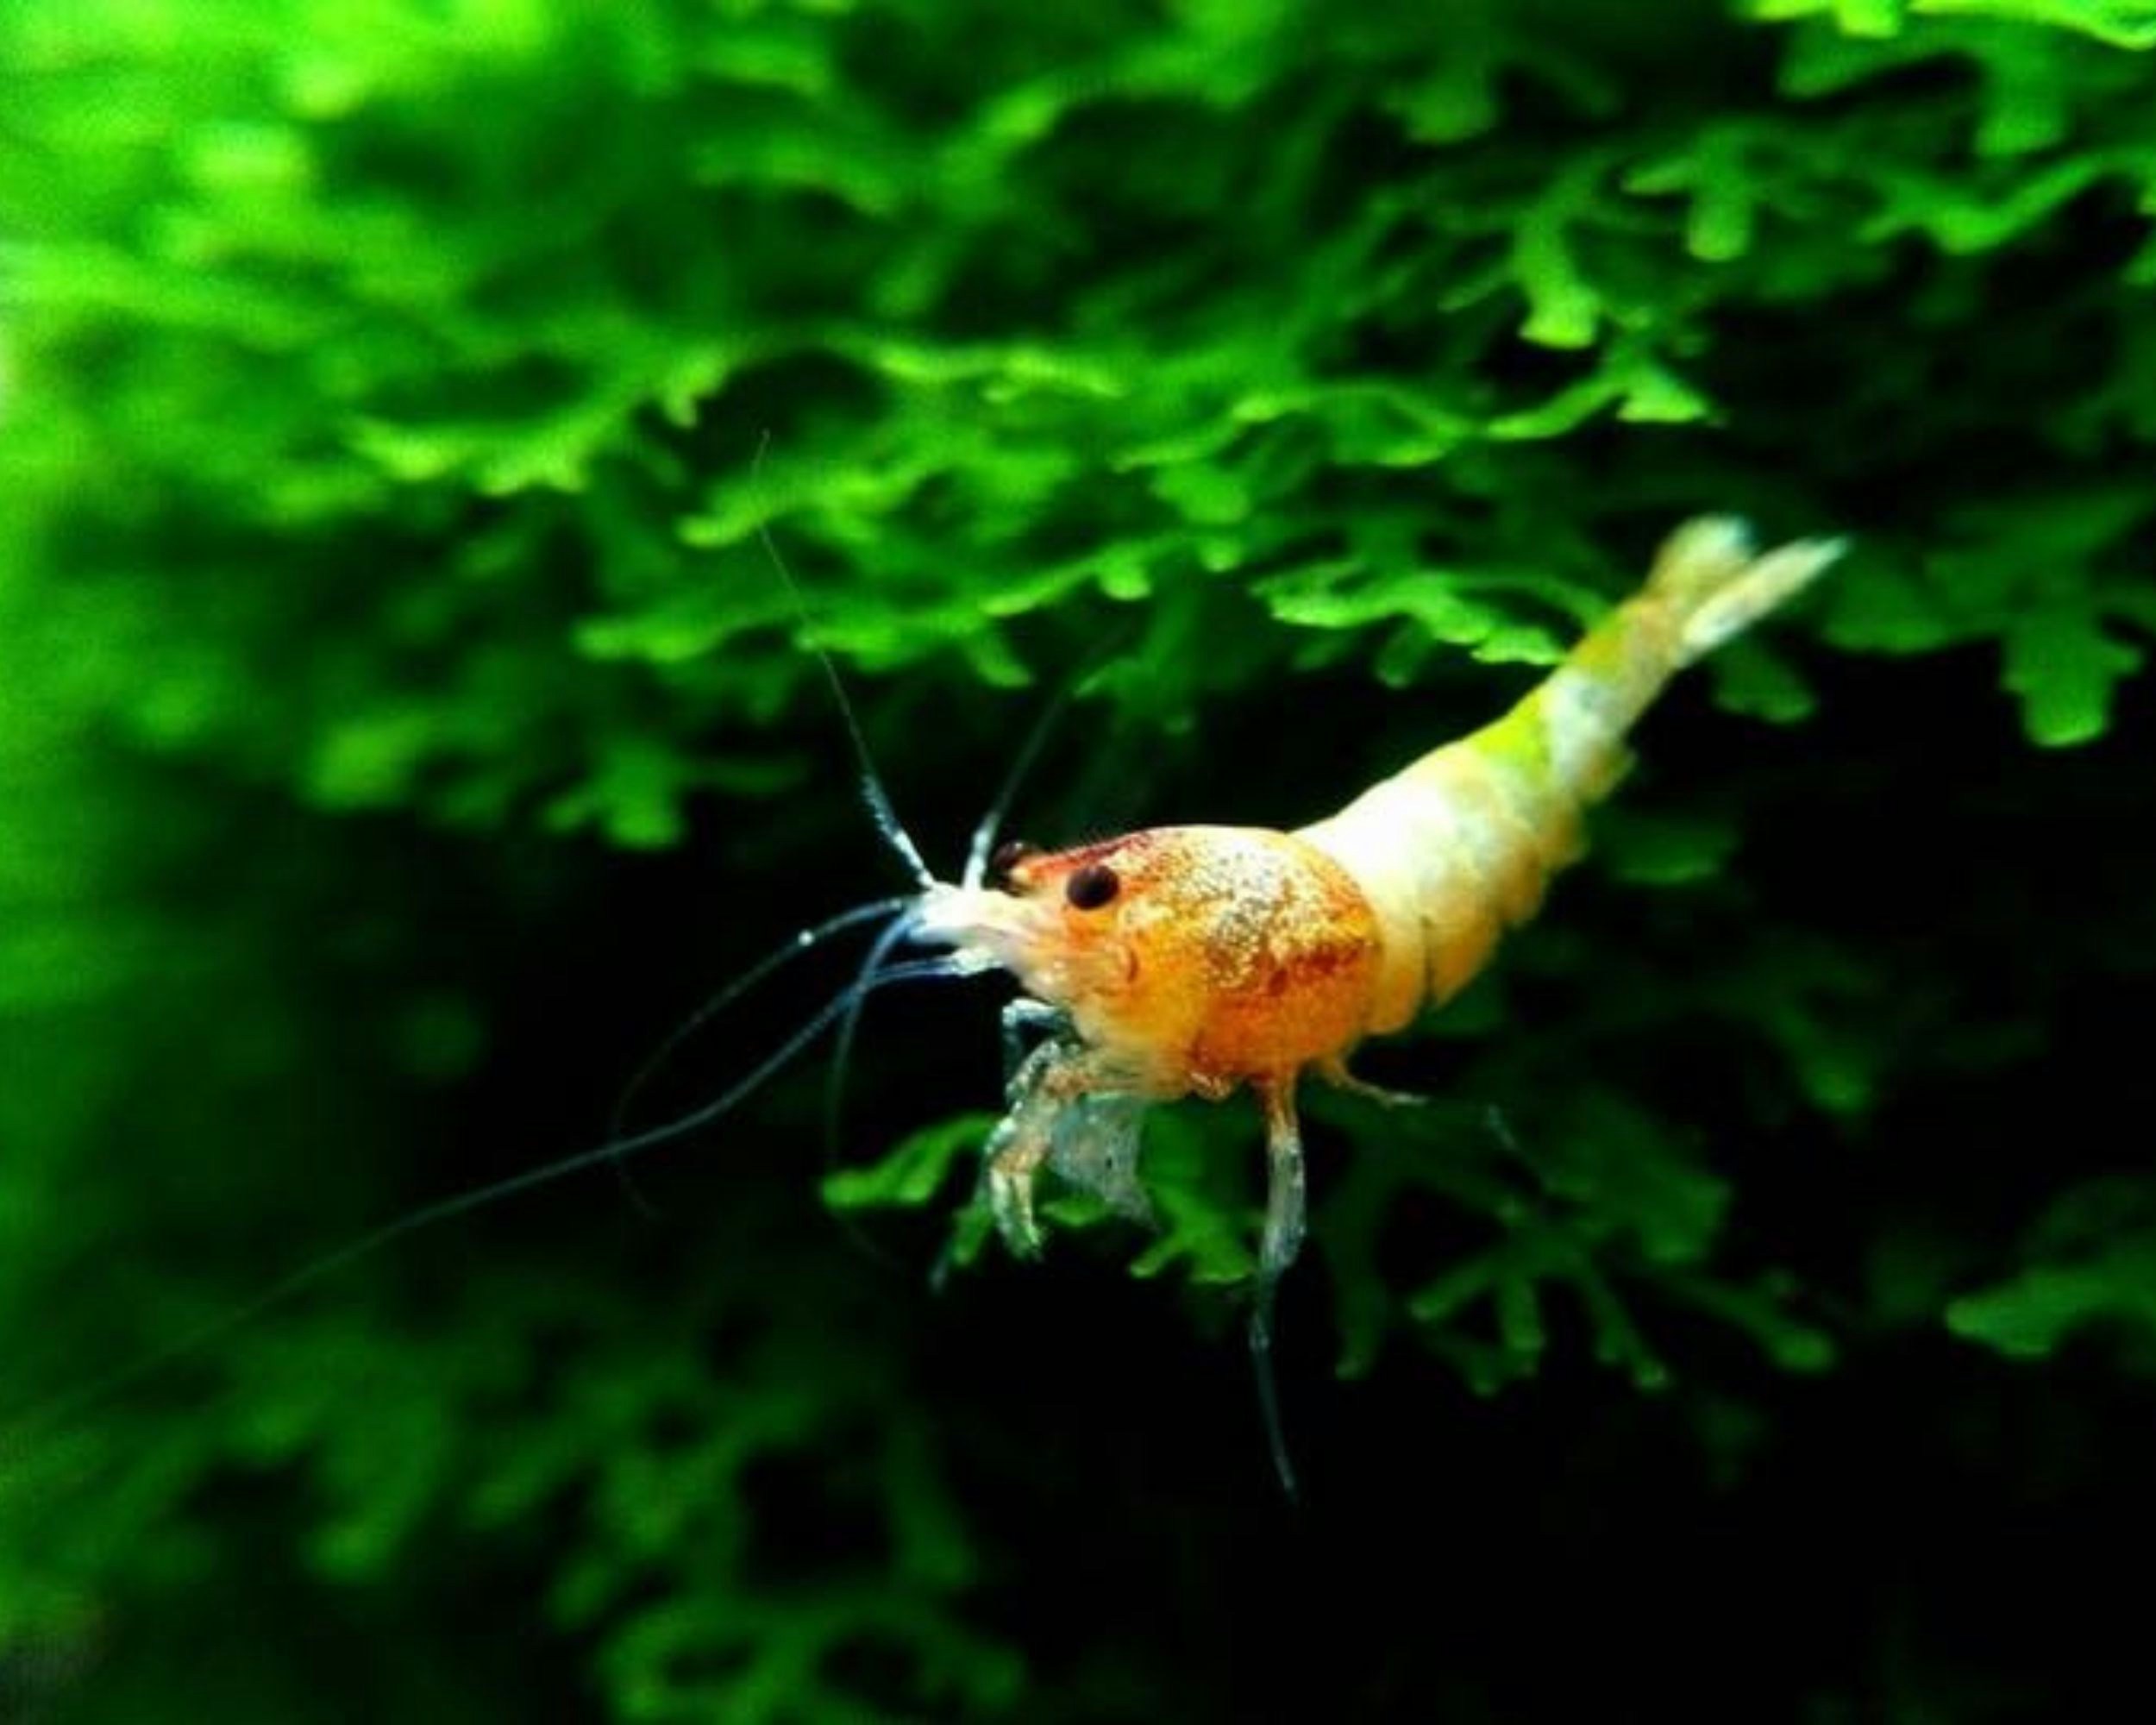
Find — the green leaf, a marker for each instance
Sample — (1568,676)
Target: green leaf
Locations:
(2090,1261)
(2064,666)
(915,1171)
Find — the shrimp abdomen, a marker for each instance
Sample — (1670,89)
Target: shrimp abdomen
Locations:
(1460,844)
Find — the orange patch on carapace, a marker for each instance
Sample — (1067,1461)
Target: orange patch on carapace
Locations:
(1225,955)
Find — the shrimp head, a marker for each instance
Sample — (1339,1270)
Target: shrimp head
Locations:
(1186,959)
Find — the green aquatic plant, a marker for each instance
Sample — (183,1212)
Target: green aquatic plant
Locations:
(400,719)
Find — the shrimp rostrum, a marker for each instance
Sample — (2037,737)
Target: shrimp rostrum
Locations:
(1200,961)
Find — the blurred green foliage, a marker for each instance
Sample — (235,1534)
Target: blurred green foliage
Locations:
(384,394)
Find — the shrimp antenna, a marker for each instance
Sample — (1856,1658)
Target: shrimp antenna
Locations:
(464,1203)
(872,791)
(985,835)
(991,828)
(656,1061)
(871,974)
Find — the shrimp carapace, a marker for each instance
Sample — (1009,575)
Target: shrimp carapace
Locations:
(1187,959)
(1200,960)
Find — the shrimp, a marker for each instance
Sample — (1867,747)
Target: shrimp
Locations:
(1201,961)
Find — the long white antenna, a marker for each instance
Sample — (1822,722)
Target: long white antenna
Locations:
(991,827)
(872,791)
(462,1204)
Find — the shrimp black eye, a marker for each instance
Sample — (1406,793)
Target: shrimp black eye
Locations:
(1092,886)
(1008,856)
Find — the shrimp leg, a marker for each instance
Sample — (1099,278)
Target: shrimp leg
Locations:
(1284,1195)
(1335,1072)
(1285,1207)
(1048,1081)
(1020,1015)
(1016,1149)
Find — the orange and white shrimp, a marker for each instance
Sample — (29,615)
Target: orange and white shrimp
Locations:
(1203,960)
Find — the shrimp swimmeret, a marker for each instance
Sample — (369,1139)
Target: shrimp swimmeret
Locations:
(1203,960)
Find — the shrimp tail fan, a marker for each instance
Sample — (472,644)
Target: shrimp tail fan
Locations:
(1718,585)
